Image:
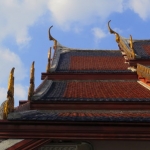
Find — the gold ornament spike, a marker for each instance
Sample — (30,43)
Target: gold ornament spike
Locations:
(49,61)
(9,103)
(51,38)
(113,32)
(31,87)
(5,109)
(131,42)
(131,46)
(11,81)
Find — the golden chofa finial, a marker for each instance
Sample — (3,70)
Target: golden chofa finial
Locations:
(49,61)
(31,87)
(51,38)
(9,103)
(113,32)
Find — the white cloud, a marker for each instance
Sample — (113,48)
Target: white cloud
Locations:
(9,60)
(77,29)
(23,40)
(141,7)
(20,93)
(98,34)
(66,12)
(17,15)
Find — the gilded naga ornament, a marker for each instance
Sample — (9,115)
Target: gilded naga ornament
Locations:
(31,87)
(49,61)
(113,32)
(51,38)
(9,103)
(131,46)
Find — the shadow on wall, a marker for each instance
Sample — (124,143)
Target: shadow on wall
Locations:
(120,145)
(67,146)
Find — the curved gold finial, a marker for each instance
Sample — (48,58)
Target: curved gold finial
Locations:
(113,32)
(49,33)
(31,87)
(51,38)
(9,103)
(49,61)
(110,30)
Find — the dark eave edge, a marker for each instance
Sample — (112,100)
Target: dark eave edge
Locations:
(74,130)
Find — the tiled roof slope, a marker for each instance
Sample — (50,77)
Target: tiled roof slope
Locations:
(141,48)
(90,61)
(83,115)
(96,90)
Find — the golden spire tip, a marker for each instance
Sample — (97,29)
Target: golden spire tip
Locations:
(113,32)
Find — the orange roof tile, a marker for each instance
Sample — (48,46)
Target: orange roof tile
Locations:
(147,49)
(97,63)
(107,89)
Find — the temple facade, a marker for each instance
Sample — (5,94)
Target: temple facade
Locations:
(88,100)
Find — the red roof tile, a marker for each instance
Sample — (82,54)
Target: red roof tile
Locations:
(147,49)
(97,63)
(105,114)
(99,89)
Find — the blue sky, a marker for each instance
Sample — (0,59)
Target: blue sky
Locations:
(77,23)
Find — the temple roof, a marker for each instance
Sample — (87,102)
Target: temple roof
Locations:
(94,90)
(82,86)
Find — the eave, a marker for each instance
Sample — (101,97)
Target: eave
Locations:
(40,105)
(74,130)
(134,62)
(47,105)
(90,76)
